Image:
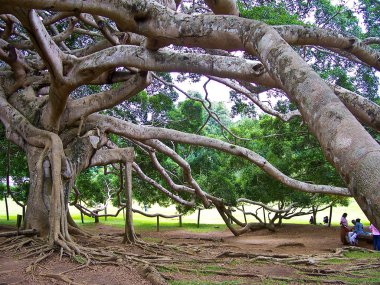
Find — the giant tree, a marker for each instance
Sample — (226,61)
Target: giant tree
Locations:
(51,49)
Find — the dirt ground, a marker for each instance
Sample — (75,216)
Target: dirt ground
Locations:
(294,254)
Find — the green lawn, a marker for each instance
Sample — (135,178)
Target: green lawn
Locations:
(210,217)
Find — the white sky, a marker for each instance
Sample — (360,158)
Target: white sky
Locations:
(216,91)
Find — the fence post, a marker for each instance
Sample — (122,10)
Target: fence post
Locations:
(81,213)
(19,219)
(265,219)
(158,223)
(180,220)
(245,217)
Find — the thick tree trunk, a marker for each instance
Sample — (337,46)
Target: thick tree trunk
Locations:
(45,214)
(37,213)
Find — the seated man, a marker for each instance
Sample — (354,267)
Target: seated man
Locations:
(352,238)
(359,229)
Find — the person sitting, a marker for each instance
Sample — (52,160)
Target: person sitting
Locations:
(359,229)
(311,221)
(353,238)
(326,220)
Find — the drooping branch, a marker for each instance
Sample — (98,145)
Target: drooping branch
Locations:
(207,106)
(145,133)
(163,172)
(158,186)
(254,98)
(185,166)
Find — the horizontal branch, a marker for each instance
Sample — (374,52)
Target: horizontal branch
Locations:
(91,66)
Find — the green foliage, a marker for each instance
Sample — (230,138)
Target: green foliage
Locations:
(241,106)
(189,116)
(18,171)
(79,259)
(271,14)
(294,151)
(94,186)
(370,11)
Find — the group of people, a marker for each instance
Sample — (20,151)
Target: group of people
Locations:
(351,235)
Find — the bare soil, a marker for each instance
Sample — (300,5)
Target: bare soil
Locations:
(291,255)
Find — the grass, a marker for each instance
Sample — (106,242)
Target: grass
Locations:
(11,222)
(210,216)
(356,255)
(362,255)
(336,261)
(202,282)
(150,224)
(141,223)
(374,279)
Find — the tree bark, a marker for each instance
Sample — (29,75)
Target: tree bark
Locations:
(37,212)
(129,236)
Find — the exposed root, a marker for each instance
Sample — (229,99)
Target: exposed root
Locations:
(11,240)
(17,245)
(146,257)
(151,273)
(60,277)
(38,260)
(199,238)
(37,250)
(252,255)
(77,231)
(298,244)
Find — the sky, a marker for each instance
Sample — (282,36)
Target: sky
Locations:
(219,92)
